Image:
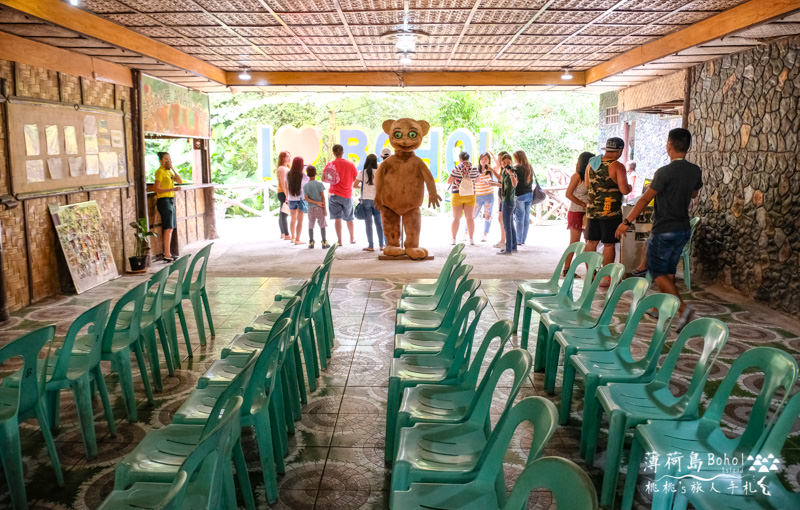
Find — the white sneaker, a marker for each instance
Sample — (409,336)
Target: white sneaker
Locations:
(483,239)
(686,317)
(472,242)
(454,242)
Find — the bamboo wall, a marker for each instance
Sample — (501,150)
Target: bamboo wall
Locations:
(29,247)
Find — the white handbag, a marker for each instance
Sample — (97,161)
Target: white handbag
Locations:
(466,188)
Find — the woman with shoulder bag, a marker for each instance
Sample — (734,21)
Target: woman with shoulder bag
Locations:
(462,189)
(365,181)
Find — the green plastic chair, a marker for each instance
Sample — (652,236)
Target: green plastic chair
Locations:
(21,398)
(198,484)
(442,342)
(686,254)
(447,369)
(258,390)
(437,403)
(172,305)
(553,321)
(159,456)
(603,338)
(451,452)
(152,320)
(438,301)
(630,404)
(564,298)
(80,371)
(581,308)
(432,289)
(194,289)
(617,365)
(487,489)
(704,435)
(539,288)
(570,486)
(119,338)
(420,320)
(780,498)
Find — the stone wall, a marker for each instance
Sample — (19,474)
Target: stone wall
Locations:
(744,115)
(650,137)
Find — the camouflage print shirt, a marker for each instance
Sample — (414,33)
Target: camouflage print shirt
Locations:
(605,199)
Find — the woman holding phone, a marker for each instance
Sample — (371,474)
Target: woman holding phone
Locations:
(485,185)
(164,187)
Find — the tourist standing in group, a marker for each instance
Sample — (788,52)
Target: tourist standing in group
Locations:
(462,199)
(606,183)
(522,213)
(508,202)
(673,188)
(503,161)
(578,197)
(365,181)
(164,186)
(385,153)
(284,159)
(297,204)
(314,192)
(484,192)
(341,199)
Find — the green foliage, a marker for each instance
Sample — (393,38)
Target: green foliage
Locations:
(551,127)
(180,150)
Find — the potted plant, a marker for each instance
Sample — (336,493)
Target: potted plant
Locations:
(143,234)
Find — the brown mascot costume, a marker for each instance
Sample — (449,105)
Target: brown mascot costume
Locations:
(400,187)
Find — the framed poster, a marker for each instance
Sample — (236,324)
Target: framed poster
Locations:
(172,110)
(84,241)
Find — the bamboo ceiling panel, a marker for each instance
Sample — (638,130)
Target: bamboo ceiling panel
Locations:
(348,35)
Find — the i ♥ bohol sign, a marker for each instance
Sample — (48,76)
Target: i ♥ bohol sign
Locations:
(306,142)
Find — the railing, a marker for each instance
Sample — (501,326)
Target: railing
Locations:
(234,195)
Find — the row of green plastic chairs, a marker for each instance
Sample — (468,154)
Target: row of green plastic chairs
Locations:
(264,368)
(633,390)
(96,335)
(439,438)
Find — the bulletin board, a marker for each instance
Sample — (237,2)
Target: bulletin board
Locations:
(59,146)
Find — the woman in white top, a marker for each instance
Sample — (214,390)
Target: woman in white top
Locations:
(365,181)
(578,196)
(284,160)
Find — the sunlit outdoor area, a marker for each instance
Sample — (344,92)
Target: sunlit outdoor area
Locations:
(399,254)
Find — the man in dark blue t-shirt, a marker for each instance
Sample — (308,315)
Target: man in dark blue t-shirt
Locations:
(673,188)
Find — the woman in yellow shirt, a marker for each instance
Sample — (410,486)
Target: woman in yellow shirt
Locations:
(164,186)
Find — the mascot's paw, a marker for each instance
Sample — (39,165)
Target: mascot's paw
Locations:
(417,253)
(394,251)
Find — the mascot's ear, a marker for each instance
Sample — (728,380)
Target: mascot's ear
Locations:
(387,125)
(425,126)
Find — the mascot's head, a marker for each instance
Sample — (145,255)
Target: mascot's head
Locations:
(405,135)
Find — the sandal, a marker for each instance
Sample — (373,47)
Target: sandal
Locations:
(368,249)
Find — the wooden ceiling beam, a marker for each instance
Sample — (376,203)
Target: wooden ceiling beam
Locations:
(33,53)
(408,79)
(738,18)
(62,14)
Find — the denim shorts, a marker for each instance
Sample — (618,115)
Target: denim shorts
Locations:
(302,205)
(664,251)
(340,208)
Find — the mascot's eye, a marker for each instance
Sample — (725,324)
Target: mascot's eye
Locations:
(412,134)
(398,135)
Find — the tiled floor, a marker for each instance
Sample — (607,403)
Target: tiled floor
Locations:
(336,454)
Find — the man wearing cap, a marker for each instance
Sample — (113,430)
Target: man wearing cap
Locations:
(385,153)
(606,183)
(673,188)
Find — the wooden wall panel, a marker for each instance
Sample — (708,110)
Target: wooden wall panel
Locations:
(5,186)
(7,73)
(70,89)
(42,247)
(97,93)
(36,82)
(15,267)
(76,198)
(108,202)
